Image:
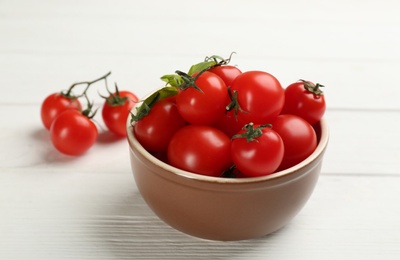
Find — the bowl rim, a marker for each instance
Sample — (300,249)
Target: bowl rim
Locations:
(321,146)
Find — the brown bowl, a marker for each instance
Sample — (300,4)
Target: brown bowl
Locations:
(224,208)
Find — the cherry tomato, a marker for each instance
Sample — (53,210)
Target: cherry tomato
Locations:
(226,72)
(116,110)
(54,105)
(155,130)
(72,133)
(229,124)
(306,100)
(260,97)
(206,104)
(257,150)
(162,156)
(200,149)
(299,139)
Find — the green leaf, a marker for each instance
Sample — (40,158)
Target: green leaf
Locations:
(204,65)
(173,80)
(145,107)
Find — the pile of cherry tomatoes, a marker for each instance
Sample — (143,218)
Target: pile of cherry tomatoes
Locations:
(216,120)
(71,126)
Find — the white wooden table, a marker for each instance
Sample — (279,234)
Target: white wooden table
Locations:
(88,207)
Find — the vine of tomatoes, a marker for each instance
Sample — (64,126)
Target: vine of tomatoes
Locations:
(214,119)
(72,128)
(217,120)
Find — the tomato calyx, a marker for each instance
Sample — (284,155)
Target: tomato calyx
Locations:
(88,112)
(189,81)
(114,100)
(315,89)
(145,108)
(250,133)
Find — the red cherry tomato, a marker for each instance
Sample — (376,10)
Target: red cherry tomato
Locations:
(229,124)
(116,110)
(259,154)
(200,149)
(299,139)
(306,100)
(206,106)
(155,130)
(259,95)
(54,105)
(72,133)
(226,72)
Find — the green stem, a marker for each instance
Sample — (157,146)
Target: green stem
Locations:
(88,111)
(88,83)
(189,81)
(221,61)
(234,103)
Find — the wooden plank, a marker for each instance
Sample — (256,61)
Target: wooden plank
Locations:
(363,142)
(31,77)
(45,47)
(80,215)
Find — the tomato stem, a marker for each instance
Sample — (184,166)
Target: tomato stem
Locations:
(222,61)
(234,103)
(68,93)
(315,89)
(88,111)
(250,133)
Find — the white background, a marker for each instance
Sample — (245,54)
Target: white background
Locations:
(57,207)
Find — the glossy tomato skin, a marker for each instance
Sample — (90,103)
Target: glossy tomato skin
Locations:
(116,116)
(203,107)
(155,130)
(299,139)
(227,73)
(260,96)
(259,157)
(73,133)
(54,105)
(200,149)
(229,124)
(301,102)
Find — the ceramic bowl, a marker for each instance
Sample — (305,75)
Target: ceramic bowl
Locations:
(225,209)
